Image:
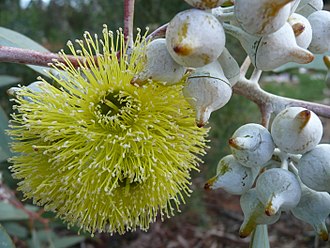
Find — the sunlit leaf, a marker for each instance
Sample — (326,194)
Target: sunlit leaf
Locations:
(14,39)
(5,240)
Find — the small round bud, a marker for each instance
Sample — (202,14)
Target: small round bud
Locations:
(320,22)
(314,208)
(195,38)
(252,145)
(254,213)
(231,176)
(296,130)
(159,65)
(314,168)
(278,189)
(302,30)
(262,17)
(207,90)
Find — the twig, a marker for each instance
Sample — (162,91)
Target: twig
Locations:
(31,57)
(128,21)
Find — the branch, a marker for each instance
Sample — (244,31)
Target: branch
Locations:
(31,57)
(128,21)
(270,103)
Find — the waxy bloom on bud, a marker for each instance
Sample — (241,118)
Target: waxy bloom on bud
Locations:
(103,154)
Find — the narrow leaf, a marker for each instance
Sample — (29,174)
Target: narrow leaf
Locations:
(5,240)
(4,139)
(6,80)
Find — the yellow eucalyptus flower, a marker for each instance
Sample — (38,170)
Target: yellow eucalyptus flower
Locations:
(103,154)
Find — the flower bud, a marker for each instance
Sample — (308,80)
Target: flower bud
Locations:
(207,90)
(262,17)
(254,213)
(37,86)
(159,65)
(252,145)
(273,50)
(314,208)
(302,30)
(320,22)
(296,130)
(314,168)
(278,189)
(195,38)
(231,176)
(230,67)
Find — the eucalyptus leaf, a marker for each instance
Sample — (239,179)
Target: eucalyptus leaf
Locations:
(68,241)
(9,213)
(4,139)
(316,64)
(14,39)
(6,80)
(15,229)
(5,240)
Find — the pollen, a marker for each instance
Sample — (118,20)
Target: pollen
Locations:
(105,155)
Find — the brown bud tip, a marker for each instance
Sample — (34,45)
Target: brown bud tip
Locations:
(232,143)
(304,117)
(200,124)
(183,50)
(298,29)
(324,235)
(208,185)
(326,60)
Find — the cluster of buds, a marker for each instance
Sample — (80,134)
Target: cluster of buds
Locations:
(285,169)
(272,32)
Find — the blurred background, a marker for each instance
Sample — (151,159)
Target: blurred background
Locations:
(209,219)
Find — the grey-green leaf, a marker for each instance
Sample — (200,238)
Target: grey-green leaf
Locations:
(8,212)
(5,240)
(14,39)
(4,139)
(6,80)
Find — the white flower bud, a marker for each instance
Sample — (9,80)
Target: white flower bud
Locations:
(232,177)
(159,65)
(206,4)
(262,17)
(254,213)
(314,168)
(273,50)
(278,189)
(207,90)
(296,130)
(314,208)
(302,30)
(307,7)
(229,66)
(195,38)
(320,22)
(252,145)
